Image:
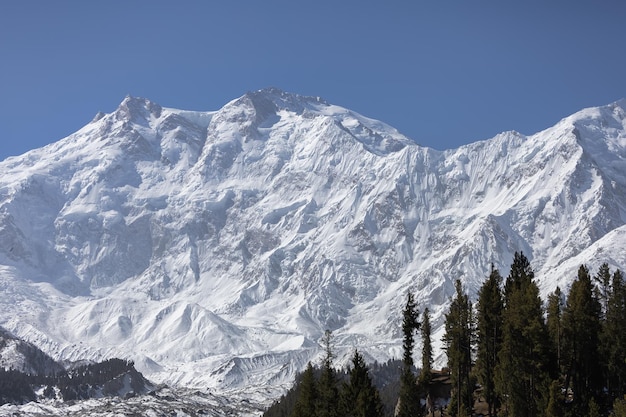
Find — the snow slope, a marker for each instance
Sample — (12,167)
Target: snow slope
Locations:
(214,248)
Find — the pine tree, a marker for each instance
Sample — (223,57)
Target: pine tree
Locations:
(427,351)
(581,325)
(522,377)
(328,404)
(603,279)
(489,335)
(307,395)
(409,402)
(613,337)
(458,346)
(554,322)
(359,397)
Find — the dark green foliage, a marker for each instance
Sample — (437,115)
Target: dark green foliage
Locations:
(306,395)
(554,323)
(458,341)
(581,327)
(302,398)
(410,324)
(522,373)
(555,402)
(359,397)
(83,382)
(427,351)
(386,378)
(328,400)
(489,336)
(603,280)
(284,406)
(315,393)
(592,342)
(409,402)
(613,338)
(587,334)
(520,276)
(79,383)
(15,387)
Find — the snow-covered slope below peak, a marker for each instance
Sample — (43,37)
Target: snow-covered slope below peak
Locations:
(550,188)
(601,132)
(214,248)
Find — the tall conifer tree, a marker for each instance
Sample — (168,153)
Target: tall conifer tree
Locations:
(603,280)
(489,335)
(427,350)
(614,337)
(554,322)
(581,325)
(328,404)
(458,345)
(522,374)
(409,402)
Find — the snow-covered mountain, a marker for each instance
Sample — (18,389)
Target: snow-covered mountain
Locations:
(214,248)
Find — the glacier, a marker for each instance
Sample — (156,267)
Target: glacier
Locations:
(215,248)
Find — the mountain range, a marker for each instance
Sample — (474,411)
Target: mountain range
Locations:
(215,248)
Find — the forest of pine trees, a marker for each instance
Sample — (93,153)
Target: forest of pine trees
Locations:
(566,358)
(509,355)
(82,382)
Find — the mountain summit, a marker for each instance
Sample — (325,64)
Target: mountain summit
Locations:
(214,248)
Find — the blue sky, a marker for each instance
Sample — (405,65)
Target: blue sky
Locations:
(443,73)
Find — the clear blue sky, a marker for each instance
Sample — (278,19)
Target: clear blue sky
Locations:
(443,73)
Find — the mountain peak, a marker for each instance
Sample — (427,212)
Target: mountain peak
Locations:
(617,105)
(615,111)
(137,108)
(284,99)
(269,100)
(621,103)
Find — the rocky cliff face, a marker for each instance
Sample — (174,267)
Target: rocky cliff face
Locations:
(215,248)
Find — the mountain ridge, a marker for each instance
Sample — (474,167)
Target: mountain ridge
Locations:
(214,248)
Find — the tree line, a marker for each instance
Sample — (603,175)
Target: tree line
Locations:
(567,359)
(509,352)
(78,383)
(326,392)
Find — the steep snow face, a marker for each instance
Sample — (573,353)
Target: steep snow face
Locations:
(215,248)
